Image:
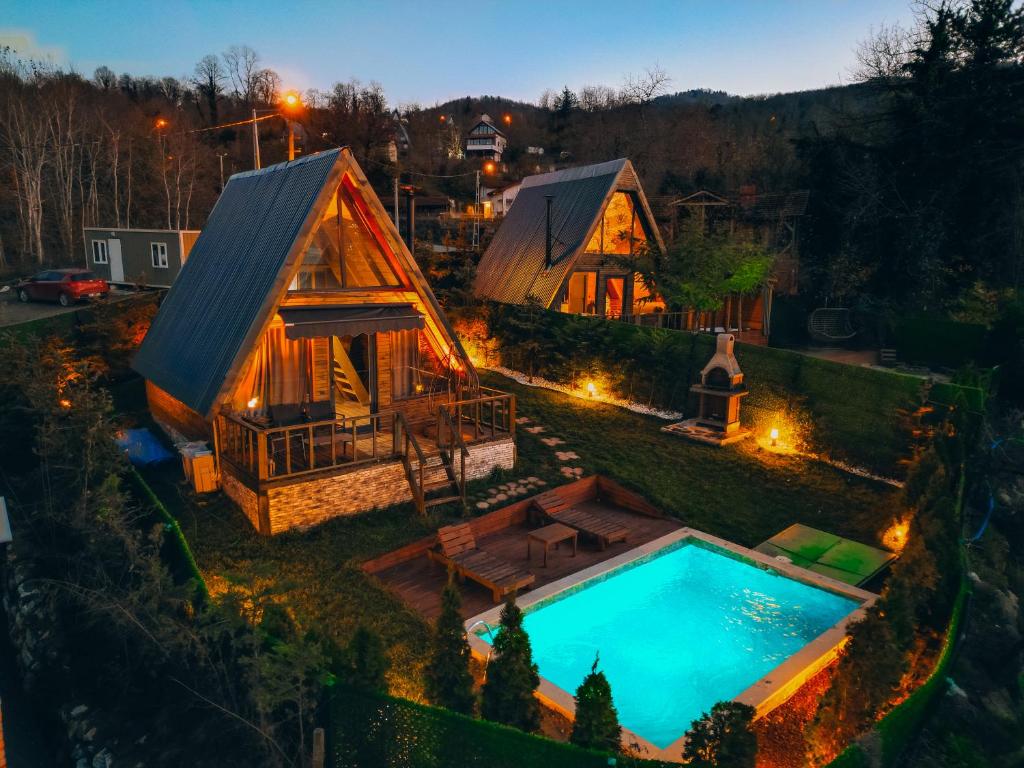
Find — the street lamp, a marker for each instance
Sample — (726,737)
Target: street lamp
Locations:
(291,104)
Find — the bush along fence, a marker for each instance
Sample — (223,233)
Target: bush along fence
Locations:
(373,730)
(897,729)
(176,552)
(861,416)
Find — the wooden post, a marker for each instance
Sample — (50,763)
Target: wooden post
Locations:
(262,460)
(319,750)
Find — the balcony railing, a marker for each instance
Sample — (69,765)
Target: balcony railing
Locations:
(491,414)
(267,452)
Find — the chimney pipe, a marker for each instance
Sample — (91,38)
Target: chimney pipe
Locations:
(410,217)
(547,232)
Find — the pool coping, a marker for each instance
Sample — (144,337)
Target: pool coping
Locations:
(767,693)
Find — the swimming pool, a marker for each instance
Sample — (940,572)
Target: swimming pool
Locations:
(679,629)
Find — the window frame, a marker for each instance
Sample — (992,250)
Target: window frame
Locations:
(101,250)
(158,249)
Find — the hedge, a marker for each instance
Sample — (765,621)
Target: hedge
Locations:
(176,551)
(939,343)
(371,730)
(901,724)
(858,415)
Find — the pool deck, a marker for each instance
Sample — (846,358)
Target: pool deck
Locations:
(418,581)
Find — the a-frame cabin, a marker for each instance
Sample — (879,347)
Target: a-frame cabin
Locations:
(599,219)
(303,341)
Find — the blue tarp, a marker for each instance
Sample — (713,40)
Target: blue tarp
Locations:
(142,447)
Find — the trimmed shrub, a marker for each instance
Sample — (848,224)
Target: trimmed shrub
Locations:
(511,675)
(449,683)
(722,738)
(597,723)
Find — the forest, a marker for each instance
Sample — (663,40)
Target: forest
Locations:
(915,202)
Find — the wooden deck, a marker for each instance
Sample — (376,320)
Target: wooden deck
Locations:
(418,581)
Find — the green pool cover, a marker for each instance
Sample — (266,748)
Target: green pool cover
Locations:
(825,553)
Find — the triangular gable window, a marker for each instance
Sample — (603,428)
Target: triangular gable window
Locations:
(620,231)
(344,252)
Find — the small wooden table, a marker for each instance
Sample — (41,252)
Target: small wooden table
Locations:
(548,535)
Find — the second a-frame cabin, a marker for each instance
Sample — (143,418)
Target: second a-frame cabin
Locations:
(303,342)
(567,240)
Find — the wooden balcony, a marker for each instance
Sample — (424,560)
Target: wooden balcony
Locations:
(261,451)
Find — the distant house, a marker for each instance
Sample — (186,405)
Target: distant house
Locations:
(151,257)
(485,140)
(501,199)
(599,220)
(302,341)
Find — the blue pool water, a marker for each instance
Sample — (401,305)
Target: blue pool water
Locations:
(678,633)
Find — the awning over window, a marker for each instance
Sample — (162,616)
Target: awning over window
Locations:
(350,320)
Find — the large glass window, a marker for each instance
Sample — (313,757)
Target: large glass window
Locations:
(619,232)
(581,296)
(344,252)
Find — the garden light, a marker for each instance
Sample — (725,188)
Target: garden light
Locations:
(253,402)
(895,536)
(774,435)
(65,403)
(591,389)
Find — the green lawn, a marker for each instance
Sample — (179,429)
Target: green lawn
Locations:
(739,493)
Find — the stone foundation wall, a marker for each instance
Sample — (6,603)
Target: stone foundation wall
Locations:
(484,457)
(242,495)
(315,500)
(312,501)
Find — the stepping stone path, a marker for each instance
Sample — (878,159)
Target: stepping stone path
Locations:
(551,442)
(535,430)
(500,494)
(573,473)
(566,455)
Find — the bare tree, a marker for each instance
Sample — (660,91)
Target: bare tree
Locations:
(209,80)
(640,89)
(266,87)
(105,78)
(24,127)
(242,64)
(884,56)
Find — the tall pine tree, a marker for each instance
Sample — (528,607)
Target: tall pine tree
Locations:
(722,739)
(449,683)
(597,723)
(512,676)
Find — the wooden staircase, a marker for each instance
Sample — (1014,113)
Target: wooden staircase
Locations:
(431,472)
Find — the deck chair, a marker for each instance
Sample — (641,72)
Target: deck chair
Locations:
(595,525)
(457,549)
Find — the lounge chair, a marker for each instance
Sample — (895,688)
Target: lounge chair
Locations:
(593,524)
(457,549)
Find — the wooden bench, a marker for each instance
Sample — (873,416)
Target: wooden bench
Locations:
(561,508)
(457,549)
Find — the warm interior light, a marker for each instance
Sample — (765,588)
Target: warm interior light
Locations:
(254,402)
(774,435)
(591,389)
(419,387)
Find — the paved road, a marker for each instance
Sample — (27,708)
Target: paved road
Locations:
(13,312)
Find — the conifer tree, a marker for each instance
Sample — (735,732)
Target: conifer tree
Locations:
(597,723)
(449,683)
(366,661)
(723,738)
(512,676)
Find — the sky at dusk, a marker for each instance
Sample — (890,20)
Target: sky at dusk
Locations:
(429,52)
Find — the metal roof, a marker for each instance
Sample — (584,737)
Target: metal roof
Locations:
(513,269)
(214,302)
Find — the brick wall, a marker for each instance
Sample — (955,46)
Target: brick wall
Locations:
(315,500)
(308,502)
(170,412)
(242,495)
(484,457)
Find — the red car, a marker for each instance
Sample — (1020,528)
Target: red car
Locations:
(65,286)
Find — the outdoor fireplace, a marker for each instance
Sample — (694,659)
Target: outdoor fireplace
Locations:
(718,396)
